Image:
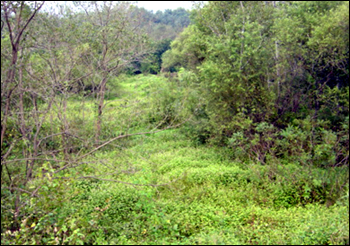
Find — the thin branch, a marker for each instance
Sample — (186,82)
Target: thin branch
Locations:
(38,159)
(118,181)
(22,190)
(114,139)
(18,36)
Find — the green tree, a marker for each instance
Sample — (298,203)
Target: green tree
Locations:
(187,50)
(313,52)
(234,76)
(270,62)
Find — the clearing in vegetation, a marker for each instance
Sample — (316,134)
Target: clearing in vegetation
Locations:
(163,188)
(226,124)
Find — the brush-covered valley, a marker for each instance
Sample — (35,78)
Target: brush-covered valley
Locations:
(226,124)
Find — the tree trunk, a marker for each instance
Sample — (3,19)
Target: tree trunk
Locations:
(101,96)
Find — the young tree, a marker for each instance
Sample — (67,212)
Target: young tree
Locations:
(115,39)
(15,19)
(16,16)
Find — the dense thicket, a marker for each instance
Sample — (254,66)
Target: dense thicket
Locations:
(274,77)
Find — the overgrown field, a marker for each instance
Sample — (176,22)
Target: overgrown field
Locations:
(169,188)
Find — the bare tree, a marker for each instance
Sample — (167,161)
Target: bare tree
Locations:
(43,65)
(117,39)
(16,16)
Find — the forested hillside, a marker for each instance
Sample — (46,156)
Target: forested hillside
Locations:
(226,124)
(161,28)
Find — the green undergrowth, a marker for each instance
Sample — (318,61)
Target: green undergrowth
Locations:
(208,199)
(162,188)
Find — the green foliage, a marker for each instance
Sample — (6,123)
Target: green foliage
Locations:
(185,51)
(274,71)
(163,25)
(259,95)
(210,199)
(152,62)
(177,17)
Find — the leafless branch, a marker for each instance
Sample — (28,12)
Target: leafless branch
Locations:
(32,194)
(133,184)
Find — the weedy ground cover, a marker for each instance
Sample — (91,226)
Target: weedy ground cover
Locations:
(163,188)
